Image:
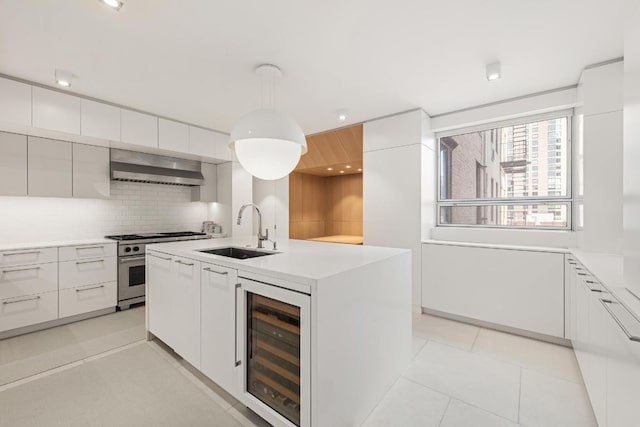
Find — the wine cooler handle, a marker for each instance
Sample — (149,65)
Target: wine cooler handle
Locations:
(235,343)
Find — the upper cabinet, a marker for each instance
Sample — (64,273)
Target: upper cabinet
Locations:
(56,111)
(139,128)
(91,172)
(100,120)
(13,164)
(50,168)
(208,191)
(173,136)
(15,102)
(207,143)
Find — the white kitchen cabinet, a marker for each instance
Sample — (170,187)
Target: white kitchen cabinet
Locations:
(24,280)
(87,298)
(515,288)
(88,272)
(176,290)
(15,102)
(202,142)
(71,253)
(91,173)
(100,120)
(139,128)
(208,191)
(173,136)
(17,257)
(28,310)
(56,111)
(221,142)
(49,168)
(13,164)
(218,311)
(598,354)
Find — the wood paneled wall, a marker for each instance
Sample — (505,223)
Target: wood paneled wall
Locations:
(324,206)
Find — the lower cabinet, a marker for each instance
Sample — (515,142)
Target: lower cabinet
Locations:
(175,291)
(87,298)
(28,310)
(218,312)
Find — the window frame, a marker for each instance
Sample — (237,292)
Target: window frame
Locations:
(530,200)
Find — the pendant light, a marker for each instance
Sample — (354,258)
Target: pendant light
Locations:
(268,143)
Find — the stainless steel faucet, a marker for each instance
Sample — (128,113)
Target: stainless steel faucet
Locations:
(261,237)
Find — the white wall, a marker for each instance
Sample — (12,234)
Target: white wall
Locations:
(133,207)
(632,147)
(273,199)
(602,141)
(393,188)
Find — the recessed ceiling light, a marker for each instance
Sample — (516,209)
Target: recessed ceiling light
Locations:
(114,4)
(63,78)
(329,169)
(341,171)
(342,117)
(360,170)
(494,71)
(348,166)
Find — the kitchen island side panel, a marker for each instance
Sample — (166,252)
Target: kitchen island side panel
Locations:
(360,339)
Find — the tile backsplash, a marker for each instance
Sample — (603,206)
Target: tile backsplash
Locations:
(133,207)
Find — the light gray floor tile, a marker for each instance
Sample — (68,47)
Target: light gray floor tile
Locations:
(552,402)
(416,345)
(30,354)
(455,334)
(546,358)
(408,404)
(246,417)
(134,387)
(488,383)
(460,414)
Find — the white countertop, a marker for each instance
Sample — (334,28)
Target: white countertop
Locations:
(55,243)
(297,260)
(497,246)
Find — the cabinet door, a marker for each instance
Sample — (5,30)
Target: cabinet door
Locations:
(50,168)
(208,191)
(56,111)
(13,164)
(173,136)
(139,128)
(159,295)
(91,172)
(596,377)
(100,120)
(202,142)
(222,146)
(15,102)
(186,293)
(218,303)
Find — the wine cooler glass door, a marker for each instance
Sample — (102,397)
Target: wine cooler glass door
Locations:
(275,357)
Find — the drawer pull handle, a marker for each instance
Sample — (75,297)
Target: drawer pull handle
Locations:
(89,247)
(21,300)
(214,271)
(88,289)
(89,262)
(21,269)
(162,258)
(184,263)
(22,253)
(610,307)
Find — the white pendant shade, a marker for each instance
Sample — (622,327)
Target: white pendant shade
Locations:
(268,143)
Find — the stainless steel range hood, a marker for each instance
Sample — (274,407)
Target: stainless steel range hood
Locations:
(143,167)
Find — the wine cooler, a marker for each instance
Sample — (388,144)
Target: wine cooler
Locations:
(276,351)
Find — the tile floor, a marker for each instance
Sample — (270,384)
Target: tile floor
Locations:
(460,376)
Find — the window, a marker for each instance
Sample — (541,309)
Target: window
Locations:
(489,176)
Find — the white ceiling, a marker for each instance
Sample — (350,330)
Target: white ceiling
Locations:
(193,59)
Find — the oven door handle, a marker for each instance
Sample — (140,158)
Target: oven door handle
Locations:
(131,259)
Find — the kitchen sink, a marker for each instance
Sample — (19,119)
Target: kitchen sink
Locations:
(238,253)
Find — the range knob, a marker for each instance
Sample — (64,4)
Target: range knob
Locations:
(136,248)
(127,249)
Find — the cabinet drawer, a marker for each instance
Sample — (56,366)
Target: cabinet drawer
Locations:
(70,253)
(28,256)
(87,272)
(28,310)
(28,280)
(84,299)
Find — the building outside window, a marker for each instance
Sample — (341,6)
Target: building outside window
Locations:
(507,175)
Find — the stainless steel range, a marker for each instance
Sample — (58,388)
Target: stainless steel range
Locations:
(131,262)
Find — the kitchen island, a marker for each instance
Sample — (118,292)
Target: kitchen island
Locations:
(313,334)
